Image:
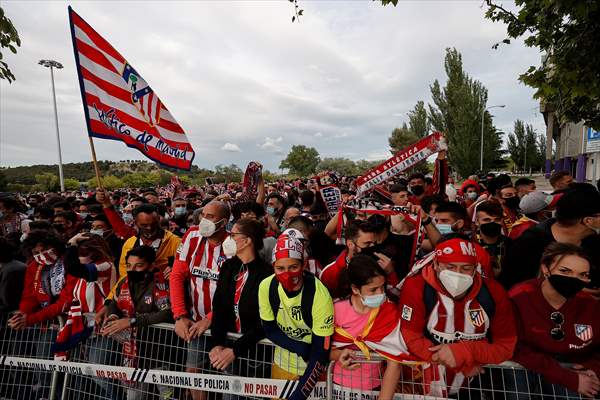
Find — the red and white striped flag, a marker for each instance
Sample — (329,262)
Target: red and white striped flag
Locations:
(120,105)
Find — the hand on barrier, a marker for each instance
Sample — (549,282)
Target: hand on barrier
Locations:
(197,329)
(18,321)
(182,328)
(589,384)
(442,354)
(347,360)
(221,357)
(114,326)
(478,370)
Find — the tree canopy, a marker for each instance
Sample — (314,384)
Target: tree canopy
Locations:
(526,148)
(9,38)
(301,160)
(568,32)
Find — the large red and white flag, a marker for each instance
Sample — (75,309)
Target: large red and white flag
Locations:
(120,105)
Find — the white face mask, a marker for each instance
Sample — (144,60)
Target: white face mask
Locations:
(99,232)
(373,301)
(207,228)
(229,247)
(455,282)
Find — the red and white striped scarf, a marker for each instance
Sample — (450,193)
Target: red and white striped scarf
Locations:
(88,299)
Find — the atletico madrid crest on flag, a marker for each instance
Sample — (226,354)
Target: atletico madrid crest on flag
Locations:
(120,105)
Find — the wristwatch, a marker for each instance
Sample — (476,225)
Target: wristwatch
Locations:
(132,322)
(426,221)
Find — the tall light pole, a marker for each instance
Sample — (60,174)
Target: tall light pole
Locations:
(54,64)
(482,115)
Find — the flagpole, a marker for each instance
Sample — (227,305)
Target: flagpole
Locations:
(96,169)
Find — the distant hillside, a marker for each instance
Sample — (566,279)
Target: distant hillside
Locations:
(82,172)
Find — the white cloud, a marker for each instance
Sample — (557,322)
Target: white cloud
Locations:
(318,134)
(232,147)
(270,144)
(340,135)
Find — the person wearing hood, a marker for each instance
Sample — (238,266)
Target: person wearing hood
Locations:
(454,318)
(557,327)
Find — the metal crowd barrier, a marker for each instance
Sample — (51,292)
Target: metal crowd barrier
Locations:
(168,368)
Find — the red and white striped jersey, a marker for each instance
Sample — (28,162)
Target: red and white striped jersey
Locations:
(203,260)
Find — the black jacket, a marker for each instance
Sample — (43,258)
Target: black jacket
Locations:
(522,261)
(223,318)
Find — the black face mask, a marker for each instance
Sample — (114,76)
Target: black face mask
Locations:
(136,276)
(417,190)
(512,202)
(59,227)
(566,286)
(368,251)
(492,229)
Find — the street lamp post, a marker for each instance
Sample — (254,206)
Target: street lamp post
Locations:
(481,150)
(54,64)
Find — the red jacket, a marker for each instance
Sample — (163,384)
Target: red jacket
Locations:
(536,350)
(475,349)
(31,298)
(119,226)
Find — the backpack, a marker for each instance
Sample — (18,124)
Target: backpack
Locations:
(308,297)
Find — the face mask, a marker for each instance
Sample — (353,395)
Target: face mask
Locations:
(46,257)
(271,210)
(83,215)
(99,232)
(566,286)
(367,251)
(207,228)
(136,276)
(127,218)
(512,202)
(85,260)
(417,190)
(444,228)
(229,247)
(289,280)
(180,211)
(59,227)
(492,229)
(455,282)
(472,195)
(373,301)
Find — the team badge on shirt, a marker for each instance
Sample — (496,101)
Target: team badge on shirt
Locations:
(406,312)
(148,299)
(477,317)
(584,332)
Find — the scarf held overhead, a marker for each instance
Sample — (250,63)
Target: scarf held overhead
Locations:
(401,161)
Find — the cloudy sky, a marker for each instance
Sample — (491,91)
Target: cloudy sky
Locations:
(247,84)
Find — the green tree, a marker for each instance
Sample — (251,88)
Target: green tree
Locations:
(418,120)
(141,179)
(341,165)
(228,173)
(269,176)
(456,110)
(301,160)
(568,32)
(524,147)
(9,38)
(109,182)
(48,182)
(401,137)
(71,184)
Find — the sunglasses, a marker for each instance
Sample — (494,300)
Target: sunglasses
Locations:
(557,332)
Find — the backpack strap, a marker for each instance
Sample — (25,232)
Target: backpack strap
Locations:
(429,298)
(308,298)
(274,297)
(485,299)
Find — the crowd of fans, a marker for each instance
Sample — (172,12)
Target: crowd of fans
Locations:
(497,271)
